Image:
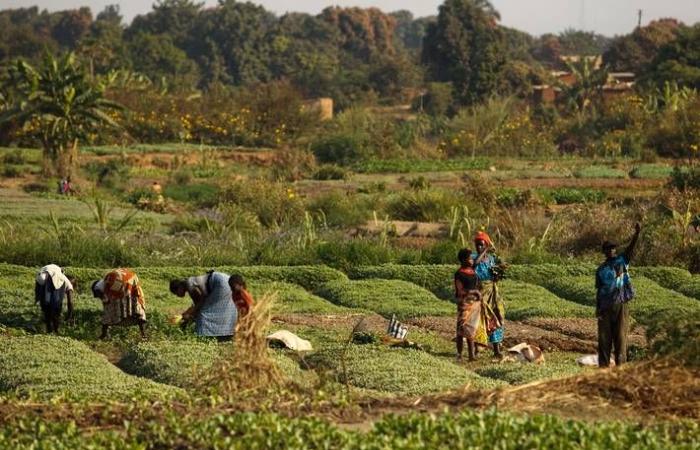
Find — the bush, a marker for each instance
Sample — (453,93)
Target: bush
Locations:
(684,179)
(11,172)
(422,206)
(275,204)
(340,210)
(437,100)
(113,173)
(340,149)
(327,172)
(345,254)
(51,367)
(396,371)
(200,194)
(386,297)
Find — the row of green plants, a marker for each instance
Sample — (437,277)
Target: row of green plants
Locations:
(409,431)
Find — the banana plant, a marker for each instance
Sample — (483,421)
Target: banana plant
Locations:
(57,104)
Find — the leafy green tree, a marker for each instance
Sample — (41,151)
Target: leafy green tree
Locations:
(678,61)
(635,52)
(582,43)
(466,47)
(58,105)
(157,57)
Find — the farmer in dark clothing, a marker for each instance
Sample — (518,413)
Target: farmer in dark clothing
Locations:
(613,292)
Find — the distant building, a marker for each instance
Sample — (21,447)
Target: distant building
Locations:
(323,105)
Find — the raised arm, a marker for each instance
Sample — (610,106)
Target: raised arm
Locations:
(629,251)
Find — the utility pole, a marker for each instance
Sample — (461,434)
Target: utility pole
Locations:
(639,20)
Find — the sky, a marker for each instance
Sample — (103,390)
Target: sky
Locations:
(608,17)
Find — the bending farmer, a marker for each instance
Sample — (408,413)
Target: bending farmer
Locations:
(613,292)
(50,287)
(123,301)
(213,311)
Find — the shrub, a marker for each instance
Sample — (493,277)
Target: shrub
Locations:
(386,297)
(396,371)
(275,204)
(419,183)
(340,149)
(11,171)
(422,206)
(345,254)
(340,210)
(437,100)
(685,179)
(201,194)
(113,173)
(327,172)
(51,367)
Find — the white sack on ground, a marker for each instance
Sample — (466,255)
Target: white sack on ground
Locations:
(290,340)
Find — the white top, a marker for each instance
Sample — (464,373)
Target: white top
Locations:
(198,282)
(57,277)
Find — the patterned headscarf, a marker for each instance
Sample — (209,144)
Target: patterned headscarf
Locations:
(482,236)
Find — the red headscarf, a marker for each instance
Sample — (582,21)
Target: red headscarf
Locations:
(482,236)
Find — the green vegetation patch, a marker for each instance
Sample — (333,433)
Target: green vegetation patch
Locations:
(49,367)
(420,165)
(397,371)
(473,429)
(177,363)
(524,300)
(568,196)
(650,302)
(293,299)
(651,171)
(597,171)
(386,297)
(556,365)
(672,278)
(431,277)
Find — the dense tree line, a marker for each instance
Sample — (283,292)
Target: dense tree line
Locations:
(350,54)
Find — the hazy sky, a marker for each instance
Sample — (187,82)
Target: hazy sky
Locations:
(534,16)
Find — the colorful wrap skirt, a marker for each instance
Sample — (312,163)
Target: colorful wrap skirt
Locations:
(470,320)
(494,312)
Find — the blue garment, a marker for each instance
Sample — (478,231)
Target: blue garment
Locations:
(610,278)
(218,315)
(483,269)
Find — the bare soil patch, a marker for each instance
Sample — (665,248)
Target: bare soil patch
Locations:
(585,329)
(516,332)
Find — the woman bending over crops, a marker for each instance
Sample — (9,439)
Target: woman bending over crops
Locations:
(489,269)
(213,311)
(50,287)
(123,301)
(470,319)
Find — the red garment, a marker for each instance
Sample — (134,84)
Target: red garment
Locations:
(243,301)
(483,236)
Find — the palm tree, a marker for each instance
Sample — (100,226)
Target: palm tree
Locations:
(588,87)
(58,104)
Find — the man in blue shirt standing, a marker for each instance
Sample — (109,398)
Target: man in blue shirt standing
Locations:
(613,292)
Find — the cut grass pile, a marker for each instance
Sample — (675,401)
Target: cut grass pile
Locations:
(50,367)
(650,302)
(396,371)
(556,365)
(524,300)
(386,297)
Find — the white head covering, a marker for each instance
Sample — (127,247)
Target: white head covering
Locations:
(53,271)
